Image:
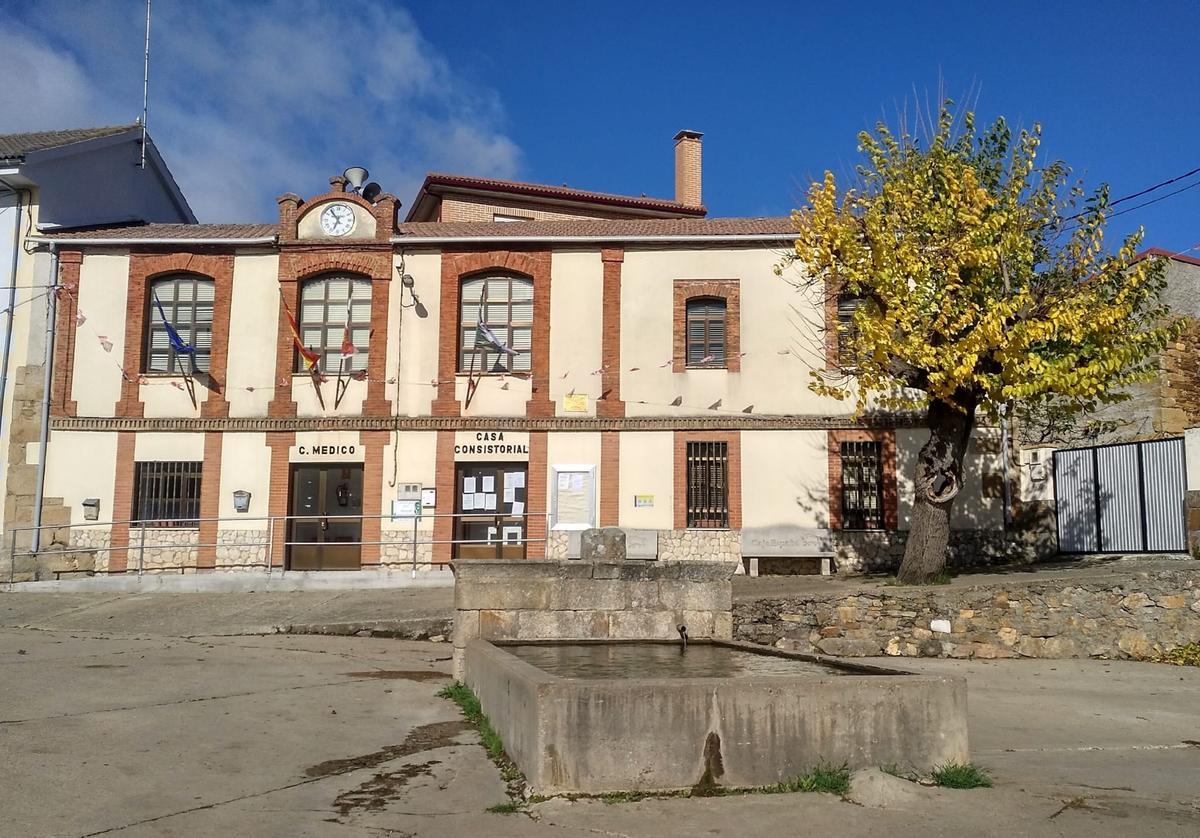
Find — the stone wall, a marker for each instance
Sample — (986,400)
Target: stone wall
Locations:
(1132,616)
(577,600)
(700,546)
(396,552)
(241,550)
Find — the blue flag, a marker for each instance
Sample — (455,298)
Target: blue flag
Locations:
(176,341)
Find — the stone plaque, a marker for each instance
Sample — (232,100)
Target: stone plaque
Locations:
(786,541)
(641,544)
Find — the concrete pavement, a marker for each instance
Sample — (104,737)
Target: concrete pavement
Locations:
(157,716)
(414,613)
(143,732)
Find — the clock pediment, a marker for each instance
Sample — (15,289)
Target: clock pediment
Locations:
(339,218)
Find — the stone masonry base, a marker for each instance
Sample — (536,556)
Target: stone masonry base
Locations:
(1133,616)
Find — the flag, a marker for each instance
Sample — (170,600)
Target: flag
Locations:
(311,359)
(177,343)
(485,338)
(347,344)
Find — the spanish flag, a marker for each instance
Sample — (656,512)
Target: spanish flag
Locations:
(311,359)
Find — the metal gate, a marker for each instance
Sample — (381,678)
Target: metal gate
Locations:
(1123,498)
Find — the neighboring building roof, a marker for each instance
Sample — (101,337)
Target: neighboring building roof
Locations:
(183,233)
(14,147)
(437,182)
(1167,254)
(625,228)
(773,228)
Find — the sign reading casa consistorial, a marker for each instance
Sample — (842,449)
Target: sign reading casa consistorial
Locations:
(503,445)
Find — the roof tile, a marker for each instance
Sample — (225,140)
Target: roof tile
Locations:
(16,146)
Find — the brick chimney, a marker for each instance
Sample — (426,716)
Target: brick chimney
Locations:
(687,168)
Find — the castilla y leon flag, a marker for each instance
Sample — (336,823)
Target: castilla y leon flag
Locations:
(311,359)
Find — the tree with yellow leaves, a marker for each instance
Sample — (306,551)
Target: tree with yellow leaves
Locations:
(981,283)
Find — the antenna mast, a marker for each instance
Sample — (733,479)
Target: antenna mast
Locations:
(146,85)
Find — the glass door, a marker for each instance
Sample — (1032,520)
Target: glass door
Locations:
(322,536)
(489,499)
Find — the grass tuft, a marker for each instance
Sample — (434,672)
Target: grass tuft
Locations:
(512,807)
(831,779)
(956,775)
(468,703)
(1185,655)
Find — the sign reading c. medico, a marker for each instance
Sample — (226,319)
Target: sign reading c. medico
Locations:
(326,447)
(482,446)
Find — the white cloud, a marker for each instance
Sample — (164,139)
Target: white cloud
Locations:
(250,100)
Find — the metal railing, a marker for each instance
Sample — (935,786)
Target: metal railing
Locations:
(136,530)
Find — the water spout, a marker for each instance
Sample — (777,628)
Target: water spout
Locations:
(682,637)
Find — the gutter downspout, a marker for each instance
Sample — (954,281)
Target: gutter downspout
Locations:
(12,296)
(48,364)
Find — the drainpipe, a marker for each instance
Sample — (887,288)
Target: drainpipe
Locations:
(12,296)
(48,364)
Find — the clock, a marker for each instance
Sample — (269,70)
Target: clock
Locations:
(337,219)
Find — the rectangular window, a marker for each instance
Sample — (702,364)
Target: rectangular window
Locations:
(708,485)
(502,216)
(705,332)
(862,486)
(847,331)
(167,494)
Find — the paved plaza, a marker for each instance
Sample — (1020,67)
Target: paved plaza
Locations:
(115,721)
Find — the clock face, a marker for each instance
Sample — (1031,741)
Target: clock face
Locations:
(337,219)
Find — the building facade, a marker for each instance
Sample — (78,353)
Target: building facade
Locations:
(56,180)
(485,389)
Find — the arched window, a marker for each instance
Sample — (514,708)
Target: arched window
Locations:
(331,306)
(186,303)
(499,308)
(706,332)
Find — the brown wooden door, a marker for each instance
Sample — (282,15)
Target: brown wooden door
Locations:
(321,536)
(489,500)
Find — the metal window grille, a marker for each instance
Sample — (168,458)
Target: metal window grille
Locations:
(509,301)
(708,485)
(187,301)
(847,332)
(862,486)
(705,332)
(327,305)
(167,493)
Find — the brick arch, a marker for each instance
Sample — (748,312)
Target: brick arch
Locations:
(347,263)
(299,265)
(728,290)
(534,264)
(145,268)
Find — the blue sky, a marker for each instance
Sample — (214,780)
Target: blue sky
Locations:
(253,99)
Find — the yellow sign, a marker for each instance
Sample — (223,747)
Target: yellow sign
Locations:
(575,403)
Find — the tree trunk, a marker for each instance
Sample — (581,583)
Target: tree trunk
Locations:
(938,481)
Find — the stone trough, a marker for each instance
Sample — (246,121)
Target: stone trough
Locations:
(582,670)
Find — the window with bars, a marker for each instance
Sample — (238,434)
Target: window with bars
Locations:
(328,305)
(705,332)
(862,486)
(167,493)
(187,302)
(504,305)
(708,485)
(847,332)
